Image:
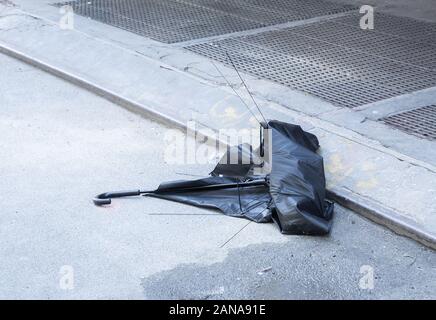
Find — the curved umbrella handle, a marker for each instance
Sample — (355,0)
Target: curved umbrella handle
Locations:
(105,198)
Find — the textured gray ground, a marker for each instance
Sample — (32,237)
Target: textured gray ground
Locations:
(61,145)
(365,160)
(308,268)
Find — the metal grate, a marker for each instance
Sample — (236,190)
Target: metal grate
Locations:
(173,21)
(404,27)
(389,38)
(420,122)
(335,61)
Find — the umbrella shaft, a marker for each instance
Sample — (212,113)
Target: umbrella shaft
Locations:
(215,186)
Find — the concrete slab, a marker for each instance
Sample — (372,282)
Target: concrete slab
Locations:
(176,58)
(157,79)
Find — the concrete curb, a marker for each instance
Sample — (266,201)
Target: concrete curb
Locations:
(111,96)
(366,207)
(382,215)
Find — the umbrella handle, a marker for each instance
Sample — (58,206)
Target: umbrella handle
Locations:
(105,198)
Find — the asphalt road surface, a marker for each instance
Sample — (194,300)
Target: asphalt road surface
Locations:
(61,145)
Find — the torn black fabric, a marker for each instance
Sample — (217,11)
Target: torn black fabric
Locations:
(292,194)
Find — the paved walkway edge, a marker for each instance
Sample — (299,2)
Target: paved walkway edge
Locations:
(382,215)
(368,208)
(124,102)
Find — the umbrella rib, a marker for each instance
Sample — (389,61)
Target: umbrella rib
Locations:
(249,208)
(239,231)
(185,214)
(239,199)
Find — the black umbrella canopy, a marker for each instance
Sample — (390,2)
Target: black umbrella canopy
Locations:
(233,197)
(297,182)
(292,194)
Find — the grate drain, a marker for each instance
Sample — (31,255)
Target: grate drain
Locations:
(403,27)
(173,21)
(420,122)
(337,61)
(414,44)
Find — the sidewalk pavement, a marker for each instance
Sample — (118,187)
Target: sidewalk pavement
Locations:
(386,175)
